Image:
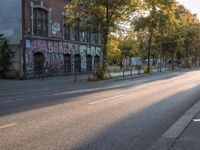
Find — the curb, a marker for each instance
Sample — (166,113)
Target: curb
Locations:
(169,137)
(135,76)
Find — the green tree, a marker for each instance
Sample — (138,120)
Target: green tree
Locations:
(5,57)
(104,13)
(159,15)
(189,35)
(128,47)
(114,53)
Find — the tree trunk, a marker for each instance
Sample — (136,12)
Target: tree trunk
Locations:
(172,63)
(104,39)
(149,51)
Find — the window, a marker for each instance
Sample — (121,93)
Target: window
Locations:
(73,34)
(67,32)
(88,35)
(40,22)
(95,35)
(77,36)
(77,29)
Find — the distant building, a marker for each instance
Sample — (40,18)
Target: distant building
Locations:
(42,41)
(132,61)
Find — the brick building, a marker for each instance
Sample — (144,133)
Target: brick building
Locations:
(43,41)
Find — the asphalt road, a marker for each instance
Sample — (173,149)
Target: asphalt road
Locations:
(120,115)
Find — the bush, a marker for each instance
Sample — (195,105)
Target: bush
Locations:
(145,67)
(5,57)
(139,68)
(99,72)
(186,64)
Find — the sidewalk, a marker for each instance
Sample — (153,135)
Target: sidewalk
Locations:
(184,134)
(85,77)
(190,138)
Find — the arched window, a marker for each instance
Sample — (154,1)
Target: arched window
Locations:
(40,22)
(77,60)
(67,63)
(89,63)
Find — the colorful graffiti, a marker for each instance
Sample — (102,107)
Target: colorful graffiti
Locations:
(29,61)
(39,46)
(54,52)
(53,61)
(50,47)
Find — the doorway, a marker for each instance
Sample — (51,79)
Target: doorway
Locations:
(77,60)
(67,63)
(38,63)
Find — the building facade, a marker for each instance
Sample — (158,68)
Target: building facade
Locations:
(46,43)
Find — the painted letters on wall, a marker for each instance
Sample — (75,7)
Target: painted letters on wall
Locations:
(54,52)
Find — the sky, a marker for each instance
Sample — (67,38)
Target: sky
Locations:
(193,5)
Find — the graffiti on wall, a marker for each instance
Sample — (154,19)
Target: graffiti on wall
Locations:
(83,53)
(39,46)
(54,52)
(29,61)
(56,28)
(50,47)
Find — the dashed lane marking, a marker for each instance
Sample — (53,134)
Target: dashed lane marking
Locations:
(7,101)
(106,99)
(8,125)
(196,120)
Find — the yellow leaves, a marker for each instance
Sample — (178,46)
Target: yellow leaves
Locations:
(185,17)
(114,52)
(113,43)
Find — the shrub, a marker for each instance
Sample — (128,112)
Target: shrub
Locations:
(145,67)
(99,72)
(139,68)
(5,57)
(186,64)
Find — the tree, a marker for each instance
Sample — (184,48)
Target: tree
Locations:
(5,57)
(114,53)
(128,47)
(104,13)
(189,35)
(159,15)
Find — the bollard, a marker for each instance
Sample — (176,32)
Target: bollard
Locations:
(75,75)
(131,71)
(89,77)
(109,74)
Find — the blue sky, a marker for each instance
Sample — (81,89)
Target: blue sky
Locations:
(193,5)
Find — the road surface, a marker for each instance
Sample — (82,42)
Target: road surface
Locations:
(120,115)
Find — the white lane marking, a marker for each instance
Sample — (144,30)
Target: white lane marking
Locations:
(196,120)
(90,90)
(8,125)
(7,101)
(12,101)
(106,99)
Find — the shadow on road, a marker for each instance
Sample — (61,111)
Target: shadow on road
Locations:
(129,134)
(53,97)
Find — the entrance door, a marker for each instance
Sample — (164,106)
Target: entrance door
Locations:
(38,63)
(67,63)
(77,59)
(89,63)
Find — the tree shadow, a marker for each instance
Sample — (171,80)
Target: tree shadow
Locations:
(139,130)
(51,97)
